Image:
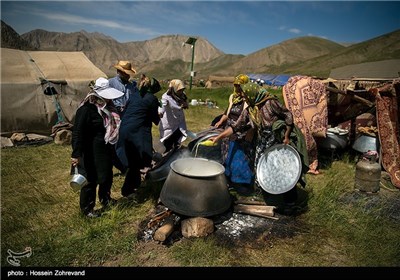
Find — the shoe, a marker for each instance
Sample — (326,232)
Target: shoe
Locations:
(92,214)
(132,198)
(109,202)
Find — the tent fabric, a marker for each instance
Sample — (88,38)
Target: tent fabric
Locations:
(378,70)
(24,77)
(271,79)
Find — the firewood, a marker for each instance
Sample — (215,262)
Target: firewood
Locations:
(264,211)
(165,230)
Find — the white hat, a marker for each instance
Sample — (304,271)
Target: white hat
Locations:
(102,88)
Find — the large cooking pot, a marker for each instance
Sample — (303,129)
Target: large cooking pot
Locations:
(196,187)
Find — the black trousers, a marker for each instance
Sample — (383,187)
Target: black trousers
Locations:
(173,141)
(133,177)
(98,171)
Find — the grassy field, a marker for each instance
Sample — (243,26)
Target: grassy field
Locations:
(339,227)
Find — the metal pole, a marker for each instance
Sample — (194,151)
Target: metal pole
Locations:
(191,67)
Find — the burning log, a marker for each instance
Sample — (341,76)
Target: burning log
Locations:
(165,230)
(158,218)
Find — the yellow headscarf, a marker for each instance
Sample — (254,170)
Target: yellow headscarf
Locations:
(240,79)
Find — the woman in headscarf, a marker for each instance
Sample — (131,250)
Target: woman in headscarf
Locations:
(173,123)
(95,131)
(135,144)
(238,147)
(262,111)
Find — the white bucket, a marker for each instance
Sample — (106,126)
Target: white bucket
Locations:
(194,102)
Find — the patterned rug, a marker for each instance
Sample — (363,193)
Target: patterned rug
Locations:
(306,98)
(387,111)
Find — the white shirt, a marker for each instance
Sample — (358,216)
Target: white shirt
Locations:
(173,118)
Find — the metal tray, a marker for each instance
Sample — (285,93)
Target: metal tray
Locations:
(279,169)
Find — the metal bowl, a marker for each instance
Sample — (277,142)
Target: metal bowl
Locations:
(335,141)
(196,187)
(365,143)
(279,169)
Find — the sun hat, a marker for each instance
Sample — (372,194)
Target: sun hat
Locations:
(176,85)
(103,89)
(126,67)
(241,79)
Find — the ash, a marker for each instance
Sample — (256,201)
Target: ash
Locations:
(236,226)
(147,235)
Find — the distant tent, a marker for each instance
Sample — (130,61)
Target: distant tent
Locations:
(270,79)
(280,80)
(25,75)
(378,70)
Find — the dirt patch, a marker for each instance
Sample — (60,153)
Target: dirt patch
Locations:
(385,203)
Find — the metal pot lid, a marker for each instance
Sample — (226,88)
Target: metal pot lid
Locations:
(279,169)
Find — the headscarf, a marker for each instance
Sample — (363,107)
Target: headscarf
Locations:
(174,86)
(255,95)
(240,79)
(111,118)
(149,85)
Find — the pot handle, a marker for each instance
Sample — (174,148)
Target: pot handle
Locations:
(76,170)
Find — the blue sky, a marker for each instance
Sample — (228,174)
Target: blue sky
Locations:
(234,27)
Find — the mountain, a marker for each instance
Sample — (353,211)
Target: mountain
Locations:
(11,39)
(104,51)
(166,57)
(383,47)
(286,53)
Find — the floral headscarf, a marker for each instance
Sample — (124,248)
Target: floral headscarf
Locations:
(255,95)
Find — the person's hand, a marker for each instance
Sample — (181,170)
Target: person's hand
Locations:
(218,124)
(286,140)
(160,115)
(185,105)
(214,139)
(74,161)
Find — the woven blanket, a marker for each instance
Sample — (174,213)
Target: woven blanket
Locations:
(387,111)
(306,98)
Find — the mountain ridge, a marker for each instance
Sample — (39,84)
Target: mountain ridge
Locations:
(166,56)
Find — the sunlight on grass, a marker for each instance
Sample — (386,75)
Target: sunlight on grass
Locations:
(341,227)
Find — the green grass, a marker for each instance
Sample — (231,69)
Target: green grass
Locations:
(39,210)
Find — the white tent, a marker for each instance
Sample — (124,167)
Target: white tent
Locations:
(24,77)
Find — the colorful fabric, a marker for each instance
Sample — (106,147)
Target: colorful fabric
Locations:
(387,110)
(306,98)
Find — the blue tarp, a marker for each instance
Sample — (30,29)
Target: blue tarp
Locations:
(270,79)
